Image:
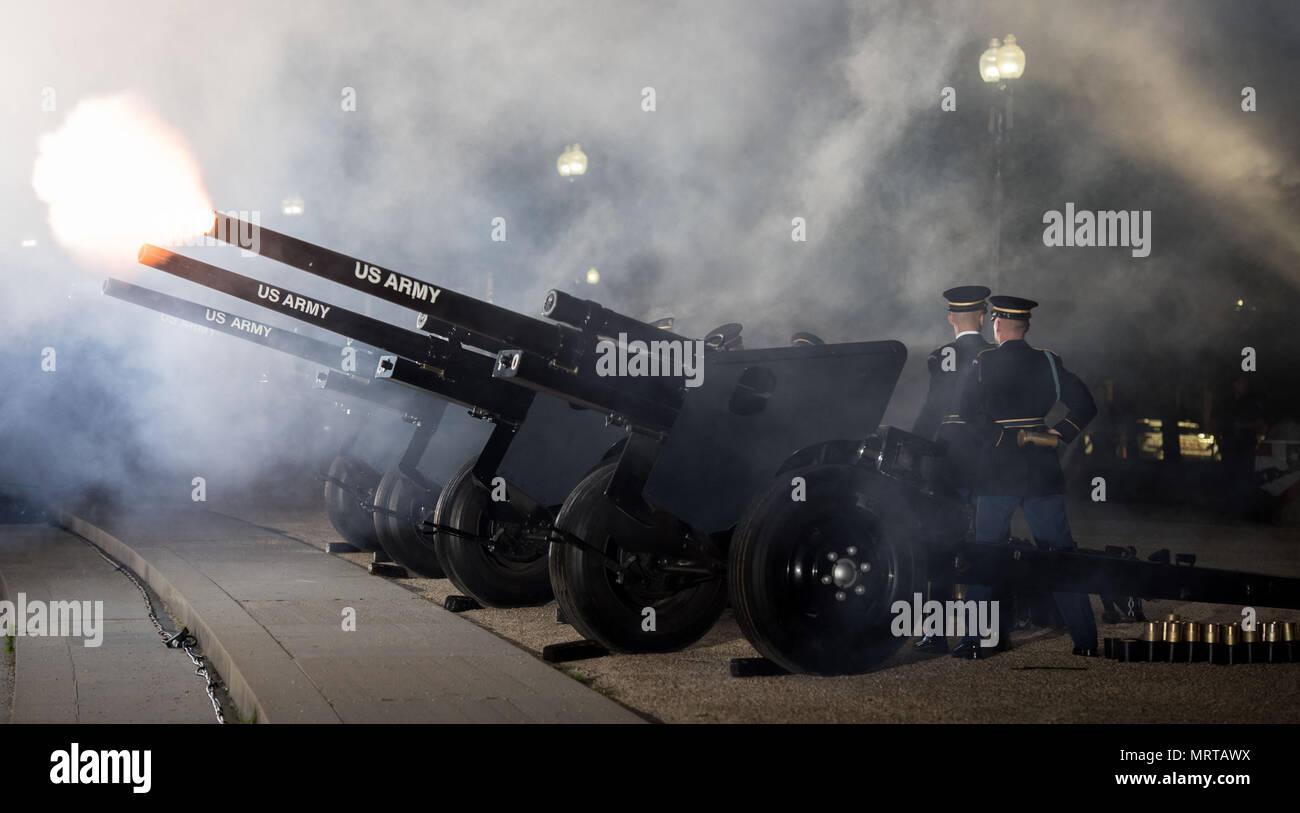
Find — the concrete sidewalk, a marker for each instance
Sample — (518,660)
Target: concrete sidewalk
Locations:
(129,678)
(269,612)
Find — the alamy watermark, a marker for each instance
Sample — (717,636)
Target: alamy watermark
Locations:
(945,619)
(74,766)
(682,358)
(53,619)
(246,233)
(1127,229)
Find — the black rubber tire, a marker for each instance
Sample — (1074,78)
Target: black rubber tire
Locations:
(346,503)
(492,580)
(609,613)
(779,555)
(401,504)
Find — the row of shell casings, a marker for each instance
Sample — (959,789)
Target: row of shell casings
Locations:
(1174,631)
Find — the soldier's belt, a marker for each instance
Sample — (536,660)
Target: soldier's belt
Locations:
(1021,423)
(1030,437)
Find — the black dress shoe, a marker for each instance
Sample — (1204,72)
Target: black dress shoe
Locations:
(969,651)
(972,651)
(1085,652)
(932,644)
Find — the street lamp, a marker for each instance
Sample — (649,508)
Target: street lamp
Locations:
(1000,64)
(1011,59)
(572,162)
(989,62)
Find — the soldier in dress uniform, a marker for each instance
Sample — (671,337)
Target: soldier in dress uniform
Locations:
(938,420)
(949,365)
(1012,387)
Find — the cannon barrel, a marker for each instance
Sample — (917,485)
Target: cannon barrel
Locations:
(475,322)
(303,347)
(458,375)
(561,349)
(599,320)
(357,326)
(447,313)
(222,321)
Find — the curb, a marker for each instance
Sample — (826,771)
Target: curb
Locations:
(246,702)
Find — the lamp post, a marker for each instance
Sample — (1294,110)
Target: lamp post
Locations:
(572,163)
(1000,64)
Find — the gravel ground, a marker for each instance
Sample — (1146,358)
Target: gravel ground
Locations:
(1038,681)
(6,681)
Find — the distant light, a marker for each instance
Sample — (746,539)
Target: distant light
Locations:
(593,276)
(572,162)
(264,379)
(1241,303)
(29,243)
(292,206)
(989,62)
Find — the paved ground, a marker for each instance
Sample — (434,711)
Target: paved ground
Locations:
(272,613)
(130,678)
(1038,681)
(276,600)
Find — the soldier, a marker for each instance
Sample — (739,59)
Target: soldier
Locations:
(1012,387)
(939,421)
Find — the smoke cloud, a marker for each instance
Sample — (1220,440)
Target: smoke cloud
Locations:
(406,128)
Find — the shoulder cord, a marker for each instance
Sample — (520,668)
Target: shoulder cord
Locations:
(1056,379)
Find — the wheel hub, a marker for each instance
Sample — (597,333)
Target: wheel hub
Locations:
(844,572)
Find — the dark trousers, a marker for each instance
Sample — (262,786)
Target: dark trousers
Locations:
(1047,521)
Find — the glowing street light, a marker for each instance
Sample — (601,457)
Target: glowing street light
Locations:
(989,62)
(593,276)
(572,162)
(1011,59)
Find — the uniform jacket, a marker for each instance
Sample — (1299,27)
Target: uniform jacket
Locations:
(940,420)
(1011,387)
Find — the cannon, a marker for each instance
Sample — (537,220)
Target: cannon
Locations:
(535,462)
(352,487)
(637,553)
(762,475)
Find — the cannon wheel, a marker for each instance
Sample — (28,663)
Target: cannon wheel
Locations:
(401,504)
(349,487)
(609,608)
(510,573)
(796,571)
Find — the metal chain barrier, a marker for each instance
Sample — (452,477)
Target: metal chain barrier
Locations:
(183,640)
(364,498)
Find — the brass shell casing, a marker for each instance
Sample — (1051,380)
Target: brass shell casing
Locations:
(1231,634)
(1031,438)
(1152,631)
(1193,631)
